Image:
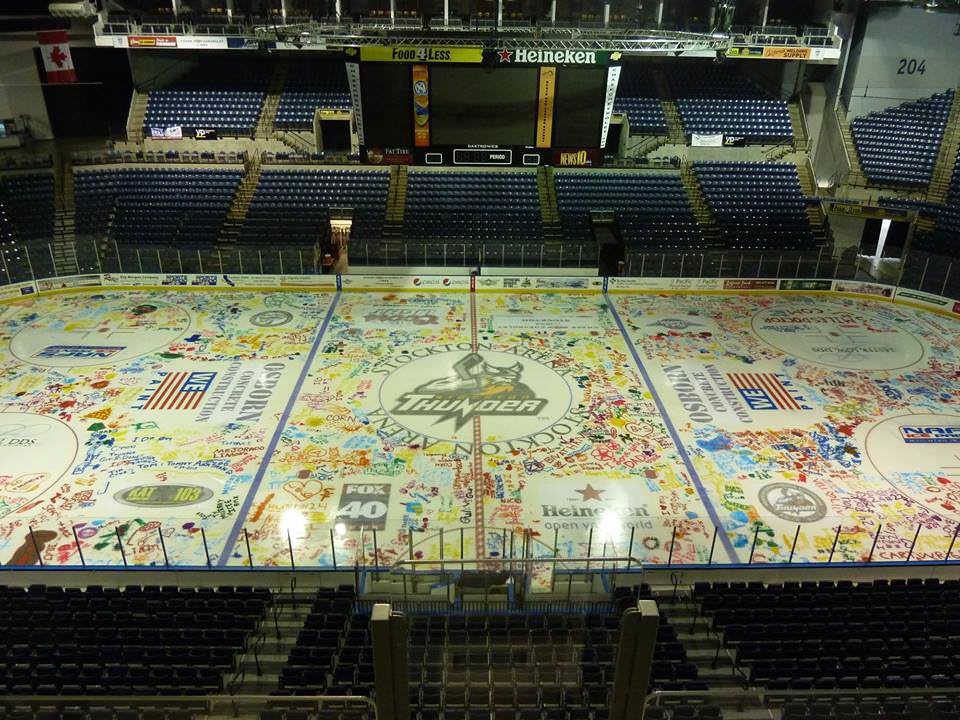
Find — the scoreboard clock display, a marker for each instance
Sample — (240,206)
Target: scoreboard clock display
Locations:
(482,156)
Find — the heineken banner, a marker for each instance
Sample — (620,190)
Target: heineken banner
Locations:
(530,56)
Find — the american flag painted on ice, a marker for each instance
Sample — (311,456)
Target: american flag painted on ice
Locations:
(180,391)
(766,391)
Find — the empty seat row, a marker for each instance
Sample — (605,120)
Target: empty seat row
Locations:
(899,145)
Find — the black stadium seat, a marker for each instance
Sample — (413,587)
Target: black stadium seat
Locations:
(138,641)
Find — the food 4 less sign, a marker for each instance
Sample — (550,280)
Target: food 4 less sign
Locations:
(422,54)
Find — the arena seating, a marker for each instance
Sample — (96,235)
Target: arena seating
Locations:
(933,264)
(139,641)
(652,209)
(26,200)
(185,207)
(226,97)
(757,205)
(711,100)
(844,635)
(496,214)
(292,207)
(637,99)
(544,663)
(899,145)
(945,238)
(310,86)
(26,226)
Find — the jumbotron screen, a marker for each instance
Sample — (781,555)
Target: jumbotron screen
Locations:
(479,106)
(387,99)
(578,108)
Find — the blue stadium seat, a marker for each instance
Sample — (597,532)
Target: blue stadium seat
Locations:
(899,146)
(712,100)
(183,207)
(637,99)
(310,86)
(292,207)
(652,209)
(471,210)
(225,97)
(26,226)
(757,205)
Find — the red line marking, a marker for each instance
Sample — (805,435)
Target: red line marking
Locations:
(479,521)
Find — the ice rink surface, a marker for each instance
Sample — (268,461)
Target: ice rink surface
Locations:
(330,425)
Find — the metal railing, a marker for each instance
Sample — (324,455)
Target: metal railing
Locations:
(611,546)
(773,698)
(236,705)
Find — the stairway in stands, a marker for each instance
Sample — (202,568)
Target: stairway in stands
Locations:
(818,220)
(698,203)
(268,113)
(397,197)
(856,176)
(549,213)
(675,131)
(138,113)
(237,213)
(393,238)
(260,674)
(939,187)
(715,669)
(64,246)
(801,141)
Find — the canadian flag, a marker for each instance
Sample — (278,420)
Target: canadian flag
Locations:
(55,47)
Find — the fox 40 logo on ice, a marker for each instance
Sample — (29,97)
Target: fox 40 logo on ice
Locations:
(916,434)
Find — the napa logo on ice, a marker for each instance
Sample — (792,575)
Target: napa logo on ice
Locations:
(474,388)
(101,352)
(930,433)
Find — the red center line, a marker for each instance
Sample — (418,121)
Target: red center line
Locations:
(480,537)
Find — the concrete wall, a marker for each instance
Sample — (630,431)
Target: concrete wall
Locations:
(155,69)
(830,163)
(892,40)
(813,99)
(20,90)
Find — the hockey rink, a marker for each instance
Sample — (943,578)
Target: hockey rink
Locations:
(196,427)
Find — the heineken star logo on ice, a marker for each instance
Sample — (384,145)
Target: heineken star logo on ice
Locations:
(475,388)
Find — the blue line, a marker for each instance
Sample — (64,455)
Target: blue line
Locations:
(275,440)
(701,490)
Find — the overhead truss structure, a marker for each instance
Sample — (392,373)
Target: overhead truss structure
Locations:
(655,42)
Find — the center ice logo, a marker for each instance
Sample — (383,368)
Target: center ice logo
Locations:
(475,388)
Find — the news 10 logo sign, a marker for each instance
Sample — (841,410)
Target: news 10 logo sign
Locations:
(917,434)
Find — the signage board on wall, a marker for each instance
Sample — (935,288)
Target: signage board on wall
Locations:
(421,105)
(548,86)
(152,41)
(706,140)
(421,54)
